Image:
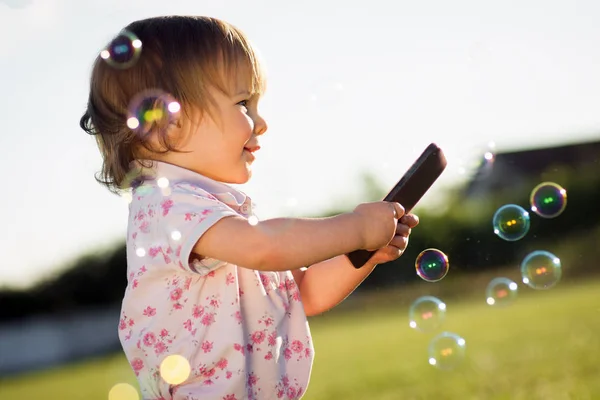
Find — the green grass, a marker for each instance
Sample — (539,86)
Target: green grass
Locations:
(545,346)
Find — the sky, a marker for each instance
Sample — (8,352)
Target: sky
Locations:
(353,86)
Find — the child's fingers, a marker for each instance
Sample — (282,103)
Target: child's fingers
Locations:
(402,230)
(410,219)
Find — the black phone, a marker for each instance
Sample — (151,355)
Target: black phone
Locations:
(410,189)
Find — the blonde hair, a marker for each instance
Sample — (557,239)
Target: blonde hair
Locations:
(181,56)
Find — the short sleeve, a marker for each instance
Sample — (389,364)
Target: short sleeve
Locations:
(186,214)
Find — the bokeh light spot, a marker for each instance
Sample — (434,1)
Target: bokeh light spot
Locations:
(123,391)
(175,369)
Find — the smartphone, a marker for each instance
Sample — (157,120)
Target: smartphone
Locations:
(409,189)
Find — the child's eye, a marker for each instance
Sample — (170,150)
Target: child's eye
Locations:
(243,103)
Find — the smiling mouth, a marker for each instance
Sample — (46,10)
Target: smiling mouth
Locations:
(252,149)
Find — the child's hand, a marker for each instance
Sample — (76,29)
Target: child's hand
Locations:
(399,243)
(379,221)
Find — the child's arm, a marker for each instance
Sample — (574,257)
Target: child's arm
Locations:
(326,284)
(283,244)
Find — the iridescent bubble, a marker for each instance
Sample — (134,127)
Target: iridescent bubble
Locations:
(123,51)
(447,350)
(541,270)
(427,313)
(548,200)
(501,292)
(175,369)
(152,110)
(432,265)
(511,222)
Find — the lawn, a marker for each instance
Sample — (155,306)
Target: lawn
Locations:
(544,346)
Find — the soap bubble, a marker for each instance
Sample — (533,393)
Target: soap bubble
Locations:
(511,222)
(123,51)
(427,313)
(541,270)
(447,350)
(432,265)
(152,109)
(548,200)
(501,292)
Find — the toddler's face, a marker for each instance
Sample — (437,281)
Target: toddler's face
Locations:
(222,148)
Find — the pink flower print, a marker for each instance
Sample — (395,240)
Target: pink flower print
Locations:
(145,227)
(268,321)
(258,337)
(297,346)
(149,311)
(143,269)
(238,317)
(134,235)
(167,259)
(214,303)
(287,353)
(149,339)
(131,275)
(252,379)
(188,216)
(249,348)
(296,296)
(222,363)
(176,294)
(228,374)
(139,216)
(166,206)
(280,393)
(307,352)
(197,311)
(273,339)
(229,279)
(150,212)
(285,380)
(122,324)
(208,319)
(187,284)
(266,281)
(160,348)
(209,373)
(269,356)
(164,333)
(153,251)
(291,392)
(211,274)
(177,306)
(230,397)
(206,212)
(131,323)
(290,284)
(207,346)
(208,382)
(137,364)
(188,325)
(178,251)
(239,348)
(135,284)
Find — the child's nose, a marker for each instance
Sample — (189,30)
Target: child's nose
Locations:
(260,125)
